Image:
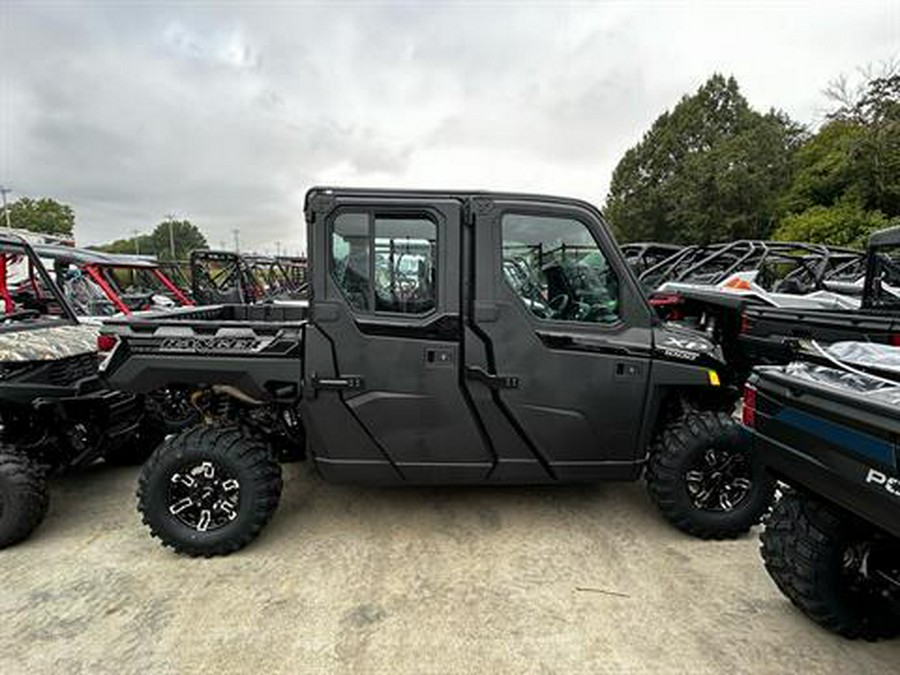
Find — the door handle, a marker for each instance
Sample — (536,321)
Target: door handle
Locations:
(337,383)
(439,356)
(493,381)
(624,370)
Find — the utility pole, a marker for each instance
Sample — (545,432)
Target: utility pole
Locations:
(137,244)
(277,249)
(171,220)
(237,240)
(4,191)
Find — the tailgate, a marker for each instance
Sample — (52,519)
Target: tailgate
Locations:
(835,444)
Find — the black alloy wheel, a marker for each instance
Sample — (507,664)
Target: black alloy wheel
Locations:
(204,496)
(719,480)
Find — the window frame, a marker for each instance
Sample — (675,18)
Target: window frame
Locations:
(373,214)
(538,212)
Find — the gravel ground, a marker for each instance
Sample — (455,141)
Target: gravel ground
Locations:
(345,579)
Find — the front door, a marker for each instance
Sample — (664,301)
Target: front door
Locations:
(558,342)
(384,367)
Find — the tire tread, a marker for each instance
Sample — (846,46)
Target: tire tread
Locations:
(227,441)
(28,485)
(797,546)
(665,481)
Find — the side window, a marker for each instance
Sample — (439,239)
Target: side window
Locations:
(386,263)
(350,258)
(405,250)
(558,270)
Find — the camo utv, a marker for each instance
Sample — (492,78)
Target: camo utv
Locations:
(55,414)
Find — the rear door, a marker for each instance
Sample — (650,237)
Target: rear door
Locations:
(558,342)
(386,309)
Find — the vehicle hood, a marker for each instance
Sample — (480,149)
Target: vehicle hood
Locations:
(47,343)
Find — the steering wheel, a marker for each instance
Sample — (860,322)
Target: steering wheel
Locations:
(21,314)
(558,304)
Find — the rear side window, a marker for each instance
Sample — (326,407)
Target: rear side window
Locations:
(386,264)
(557,269)
(350,258)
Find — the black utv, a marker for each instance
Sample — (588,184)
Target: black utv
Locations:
(827,425)
(450,338)
(54,411)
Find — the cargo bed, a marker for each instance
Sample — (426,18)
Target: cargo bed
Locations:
(256,348)
(204,318)
(767,333)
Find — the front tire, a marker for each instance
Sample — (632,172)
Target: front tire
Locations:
(831,568)
(24,497)
(209,491)
(704,478)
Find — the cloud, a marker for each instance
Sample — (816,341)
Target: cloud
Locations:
(226,114)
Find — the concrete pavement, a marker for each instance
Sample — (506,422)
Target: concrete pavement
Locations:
(345,579)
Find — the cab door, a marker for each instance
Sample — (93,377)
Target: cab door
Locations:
(559,360)
(384,356)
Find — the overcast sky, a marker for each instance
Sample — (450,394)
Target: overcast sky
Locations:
(226,113)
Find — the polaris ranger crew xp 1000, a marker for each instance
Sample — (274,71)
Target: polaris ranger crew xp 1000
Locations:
(450,338)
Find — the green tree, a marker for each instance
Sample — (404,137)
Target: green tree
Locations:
(185,234)
(44,215)
(710,169)
(846,178)
(875,157)
(844,223)
(822,169)
(142,244)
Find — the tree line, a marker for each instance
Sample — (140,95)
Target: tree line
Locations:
(182,233)
(713,169)
(48,216)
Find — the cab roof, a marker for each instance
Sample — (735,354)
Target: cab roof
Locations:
(887,237)
(84,256)
(461,195)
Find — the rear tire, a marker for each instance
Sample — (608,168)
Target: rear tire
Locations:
(209,491)
(24,497)
(704,478)
(807,548)
(172,408)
